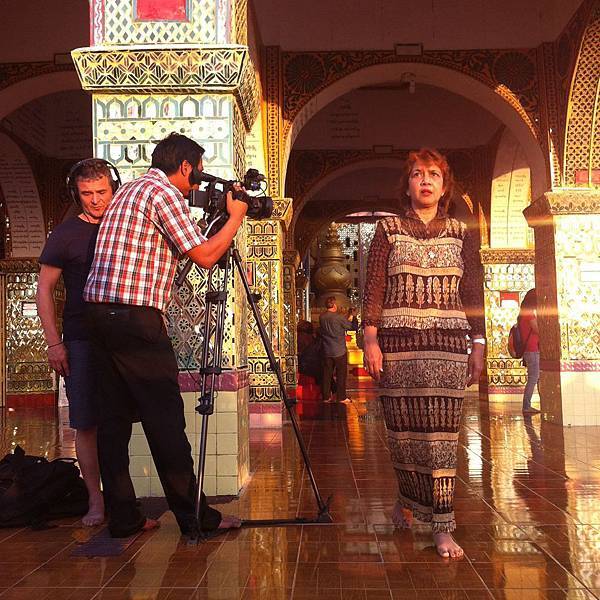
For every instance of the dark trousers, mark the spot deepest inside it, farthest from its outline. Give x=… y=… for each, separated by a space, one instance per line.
x=138 y=380
x=339 y=364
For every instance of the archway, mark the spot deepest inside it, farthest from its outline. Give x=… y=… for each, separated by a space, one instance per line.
x=500 y=102
x=339 y=173
x=22 y=92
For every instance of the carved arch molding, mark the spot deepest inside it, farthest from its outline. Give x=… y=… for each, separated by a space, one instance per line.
x=512 y=73
x=533 y=81
x=582 y=140
x=294 y=78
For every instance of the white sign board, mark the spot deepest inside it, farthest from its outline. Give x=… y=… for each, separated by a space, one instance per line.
x=510 y=195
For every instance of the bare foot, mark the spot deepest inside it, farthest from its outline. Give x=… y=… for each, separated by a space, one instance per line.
x=95 y=513
x=446 y=546
x=230 y=522
x=402 y=517
x=150 y=524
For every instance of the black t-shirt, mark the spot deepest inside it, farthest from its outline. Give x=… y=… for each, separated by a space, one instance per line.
x=70 y=247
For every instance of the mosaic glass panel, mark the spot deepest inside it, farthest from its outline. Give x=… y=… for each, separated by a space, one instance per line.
x=578 y=254
x=356 y=240
x=186 y=318
x=265 y=265
x=349 y=237
x=27 y=369
x=504 y=371
x=127 y=127
x=289 y=317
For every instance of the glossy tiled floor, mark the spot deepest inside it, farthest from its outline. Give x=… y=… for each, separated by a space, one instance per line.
x=528 y=507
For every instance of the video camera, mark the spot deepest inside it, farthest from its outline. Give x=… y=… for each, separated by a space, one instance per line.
x=213 y=198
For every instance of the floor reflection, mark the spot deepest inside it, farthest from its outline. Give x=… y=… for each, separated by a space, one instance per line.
x=527 y=504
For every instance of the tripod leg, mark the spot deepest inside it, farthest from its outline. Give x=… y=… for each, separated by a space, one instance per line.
x=210 y=368
x=324 y=516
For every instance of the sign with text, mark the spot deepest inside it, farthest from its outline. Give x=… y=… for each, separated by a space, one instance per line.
x=26 y=222
x=510 y=196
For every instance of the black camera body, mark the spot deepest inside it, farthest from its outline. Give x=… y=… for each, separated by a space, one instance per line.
x=213 y=198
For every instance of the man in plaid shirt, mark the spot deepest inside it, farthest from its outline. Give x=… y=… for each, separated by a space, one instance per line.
x=146 y=229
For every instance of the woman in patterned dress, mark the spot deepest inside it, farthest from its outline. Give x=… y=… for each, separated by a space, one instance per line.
x=425 y=295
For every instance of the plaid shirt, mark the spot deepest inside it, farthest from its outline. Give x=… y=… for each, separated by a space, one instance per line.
x=145 y=230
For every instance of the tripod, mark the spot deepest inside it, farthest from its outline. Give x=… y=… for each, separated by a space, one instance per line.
x=210 y=369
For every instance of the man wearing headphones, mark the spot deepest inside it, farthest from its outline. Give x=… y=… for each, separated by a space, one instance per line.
x=69 y=252
x=144 y=233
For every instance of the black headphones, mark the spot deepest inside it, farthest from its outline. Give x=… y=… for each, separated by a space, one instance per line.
x=114 y=179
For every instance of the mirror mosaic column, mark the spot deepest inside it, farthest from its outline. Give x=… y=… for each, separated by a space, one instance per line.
x=184 y=66
x=266 y=240
x=291 y=262
x=567 y=264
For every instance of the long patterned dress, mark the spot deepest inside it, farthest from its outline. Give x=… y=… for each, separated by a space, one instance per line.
x=425 y=293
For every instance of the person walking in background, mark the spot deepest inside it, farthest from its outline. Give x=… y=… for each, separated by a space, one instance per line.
x=333 y=327
x=425 y=293
x=528 y=328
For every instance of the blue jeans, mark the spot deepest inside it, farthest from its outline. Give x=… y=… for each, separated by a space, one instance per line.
x=532 y=362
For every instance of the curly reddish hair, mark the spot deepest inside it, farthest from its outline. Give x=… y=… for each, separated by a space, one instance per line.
x=427 y=156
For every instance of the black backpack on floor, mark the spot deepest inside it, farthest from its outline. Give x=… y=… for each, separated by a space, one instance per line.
x=34 y=490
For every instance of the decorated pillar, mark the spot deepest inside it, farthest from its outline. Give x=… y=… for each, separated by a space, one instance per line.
x=508 y=275
x=567 y=276
x=181 y=66
x=291 y=262
x=265 y=276
x=26 y=379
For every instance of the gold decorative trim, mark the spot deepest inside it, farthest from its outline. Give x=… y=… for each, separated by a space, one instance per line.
x=24 y=265
x=549 y=111
x=240 y=18
x=292 y=258
x=248 y=95
x=11 y=73
x=567 y=202
x=512 y=74
x=283 y=211
x=507 y=256
x=183 y=69
x=273 y=117
x=582 y=143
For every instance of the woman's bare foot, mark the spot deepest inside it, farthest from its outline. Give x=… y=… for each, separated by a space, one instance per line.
x=402 y=517
x=446 y=546
x=230 y=522
x=95 y=513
